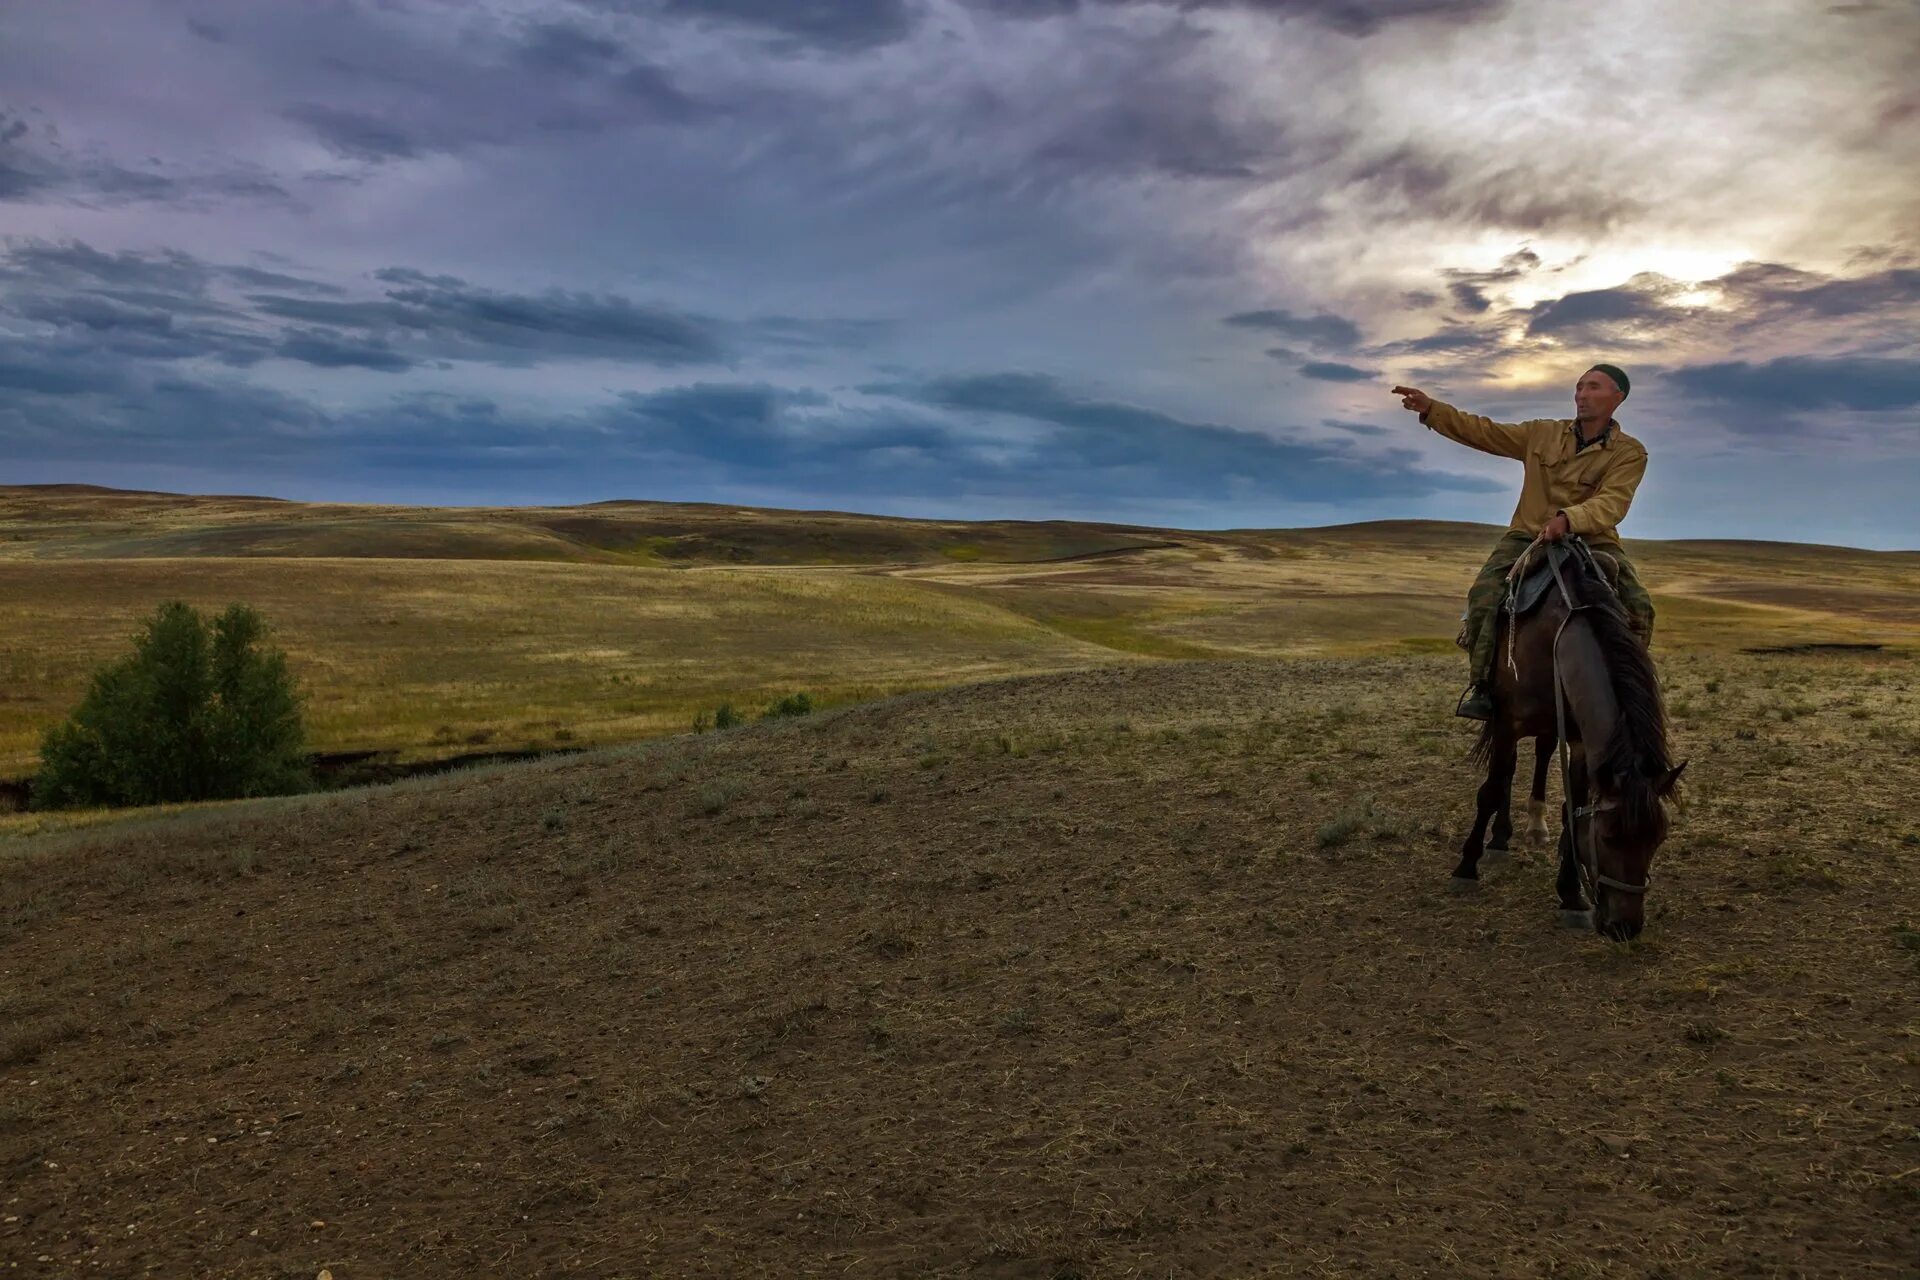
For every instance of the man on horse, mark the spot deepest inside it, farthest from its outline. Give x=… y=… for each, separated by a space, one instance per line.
x=1580 y=478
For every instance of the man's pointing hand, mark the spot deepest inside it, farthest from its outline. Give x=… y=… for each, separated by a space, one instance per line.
x=1413 y=398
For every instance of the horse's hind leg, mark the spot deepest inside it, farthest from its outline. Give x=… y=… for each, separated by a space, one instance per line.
x=1493 y=791
x=1534 y=835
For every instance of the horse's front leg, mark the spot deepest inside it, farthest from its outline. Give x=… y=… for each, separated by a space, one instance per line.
x=1534 y=835
x=1574 y=910
x=1501 y=838
x=1493 y=793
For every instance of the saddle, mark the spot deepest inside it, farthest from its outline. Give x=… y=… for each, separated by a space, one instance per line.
x=1532 y=574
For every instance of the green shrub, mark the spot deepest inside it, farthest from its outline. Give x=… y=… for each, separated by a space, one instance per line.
x=196 y=712
x=794 y=704
x=725 y=717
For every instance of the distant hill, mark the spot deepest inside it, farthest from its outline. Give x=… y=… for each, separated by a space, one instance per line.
x=77 y=521
x=85 y=522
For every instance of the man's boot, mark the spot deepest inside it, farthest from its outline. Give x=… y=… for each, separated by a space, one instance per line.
x=1476 y=703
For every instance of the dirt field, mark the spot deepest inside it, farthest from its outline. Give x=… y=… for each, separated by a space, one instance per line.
x=1140 y=971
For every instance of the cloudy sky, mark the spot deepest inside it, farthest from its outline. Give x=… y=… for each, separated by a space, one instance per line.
x=1153 y=261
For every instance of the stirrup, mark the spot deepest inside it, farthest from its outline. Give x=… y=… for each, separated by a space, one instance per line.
x=1475 y=704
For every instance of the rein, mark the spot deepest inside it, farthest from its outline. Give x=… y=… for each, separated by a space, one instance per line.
x=1589 y=862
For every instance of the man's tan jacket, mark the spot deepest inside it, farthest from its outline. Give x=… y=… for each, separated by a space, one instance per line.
x=1594 y=486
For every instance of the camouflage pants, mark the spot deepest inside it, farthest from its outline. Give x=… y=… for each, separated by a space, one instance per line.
x=1483 y=598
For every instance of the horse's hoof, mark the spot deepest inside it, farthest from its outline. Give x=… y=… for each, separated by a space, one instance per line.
x=1464 y=884
x=1576 y=919
x=1496 y=855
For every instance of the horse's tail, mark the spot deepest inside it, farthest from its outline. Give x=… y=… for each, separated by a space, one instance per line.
x=1481 y=753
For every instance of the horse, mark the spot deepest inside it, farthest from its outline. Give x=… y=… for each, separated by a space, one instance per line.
x=1572 y=668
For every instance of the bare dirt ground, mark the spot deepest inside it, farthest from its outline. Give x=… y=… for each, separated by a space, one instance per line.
x=1145 y=970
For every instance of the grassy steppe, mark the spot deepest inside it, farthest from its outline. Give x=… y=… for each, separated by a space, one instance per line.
x=428 y=632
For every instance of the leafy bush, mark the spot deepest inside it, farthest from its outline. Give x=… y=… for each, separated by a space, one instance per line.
x=725 y=717
x=196 y=712
x=794 y=704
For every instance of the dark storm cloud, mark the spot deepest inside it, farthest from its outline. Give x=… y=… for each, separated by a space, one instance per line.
x=793 y=441
x=168 y=305
x=130 y=306
x=454 y=318
x=73 y=264
x=1603 y=312
x=35 y=167
x=1332 y=371
x=1462 y=346
x=1127 y=449
x=792 y=437
x=1871 y=313
x=1469 y=297
x=1415 y=181
x=1160 y=123
x=1119 y=106
x=64 y=403
x=255 y=278
x=1753 y=297
x=1354 y=428
x=1469 y=288
x=103 y=324
x=1451 y=339
x=1802 y=383
x=559 y=320
x=845 y=26
x=50 y=370
x=1353 y=17
x=1772 y=291
x=797 y=333
x=1325 y=330
x=141 y=338
x=842 y=24
x=378 y=87
x=568 y=48
x=357 y=135
x=567 y=55
x=329 y=352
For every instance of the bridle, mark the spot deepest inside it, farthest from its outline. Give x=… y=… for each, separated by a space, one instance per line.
x=1590 y=869
x=1588 y=861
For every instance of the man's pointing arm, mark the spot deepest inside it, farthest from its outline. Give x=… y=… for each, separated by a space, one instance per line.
x=1503 y=439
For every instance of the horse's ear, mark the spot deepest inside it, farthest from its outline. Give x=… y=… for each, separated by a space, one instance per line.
x=1672 y=779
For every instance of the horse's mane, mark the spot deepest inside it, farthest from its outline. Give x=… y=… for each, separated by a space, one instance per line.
x=1638 y=758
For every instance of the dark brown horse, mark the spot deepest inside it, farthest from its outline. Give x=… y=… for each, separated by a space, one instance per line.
x=1621 y=772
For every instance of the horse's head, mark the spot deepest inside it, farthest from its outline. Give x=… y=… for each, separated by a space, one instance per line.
x=1624 y=827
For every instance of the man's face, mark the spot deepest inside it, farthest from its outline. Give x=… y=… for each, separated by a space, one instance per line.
x=1595 y=397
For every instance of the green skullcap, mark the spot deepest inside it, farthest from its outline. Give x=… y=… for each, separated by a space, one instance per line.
x=1618 y=375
